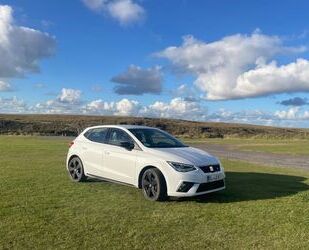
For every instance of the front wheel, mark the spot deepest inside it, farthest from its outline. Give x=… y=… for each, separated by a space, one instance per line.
x=76 y=170
x=154 y=185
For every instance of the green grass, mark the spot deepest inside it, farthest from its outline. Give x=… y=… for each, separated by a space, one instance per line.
x=280 y=146
x=40 y=207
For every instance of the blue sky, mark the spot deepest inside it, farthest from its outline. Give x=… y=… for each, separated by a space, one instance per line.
x=231 y=61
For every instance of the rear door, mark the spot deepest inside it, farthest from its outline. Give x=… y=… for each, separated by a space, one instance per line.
x=93 y=151
x=120 y=163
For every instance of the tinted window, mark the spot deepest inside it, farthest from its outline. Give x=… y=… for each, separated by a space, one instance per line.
x=154 y=138
x=117 y=136
x=97 y=134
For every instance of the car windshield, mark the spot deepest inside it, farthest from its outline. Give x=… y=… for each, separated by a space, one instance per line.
x=155 y=138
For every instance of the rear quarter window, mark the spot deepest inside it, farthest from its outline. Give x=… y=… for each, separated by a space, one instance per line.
x=97 y=135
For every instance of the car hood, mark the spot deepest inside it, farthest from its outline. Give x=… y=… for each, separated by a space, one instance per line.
x=188 y=155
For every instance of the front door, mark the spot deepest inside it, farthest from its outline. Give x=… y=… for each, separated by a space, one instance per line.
x=120 y=163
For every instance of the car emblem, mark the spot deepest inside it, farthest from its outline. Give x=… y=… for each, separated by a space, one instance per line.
x=211 y=168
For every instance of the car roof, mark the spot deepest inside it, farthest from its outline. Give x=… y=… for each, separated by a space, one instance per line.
x=125 y=126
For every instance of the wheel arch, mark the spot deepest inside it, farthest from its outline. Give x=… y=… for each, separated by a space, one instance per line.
x=139 y=183
x=71 y=157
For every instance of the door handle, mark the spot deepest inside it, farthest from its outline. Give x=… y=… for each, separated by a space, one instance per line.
x=107 y=152
x=84 y=148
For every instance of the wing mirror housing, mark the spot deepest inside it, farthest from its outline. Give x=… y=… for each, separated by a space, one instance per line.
x=127 y=145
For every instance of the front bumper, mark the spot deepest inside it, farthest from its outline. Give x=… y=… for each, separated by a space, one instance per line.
x=198 y=183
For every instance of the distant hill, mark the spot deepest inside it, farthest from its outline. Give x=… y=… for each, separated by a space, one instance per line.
x=72 y=125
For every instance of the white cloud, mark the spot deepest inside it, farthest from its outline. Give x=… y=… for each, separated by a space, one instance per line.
x=12 y=105
x=188 y=93
x=95 y=5
x=21 y=48
x=293 y=113
x=270 y=78
x=5 y=86
x=287 y=114
x=180 y=108
x=55 y=107
x=127 y=107
x=176 y=108
x=138 y=81
x=124 y=11
x=243 y=116
x=293 y=117
x=239 y=66
x=68 y=101
x=99 y=107
x=305 y=115
x=69 y=96
x=123 y=107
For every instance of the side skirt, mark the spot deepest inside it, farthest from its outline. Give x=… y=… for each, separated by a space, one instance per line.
x=110 y=180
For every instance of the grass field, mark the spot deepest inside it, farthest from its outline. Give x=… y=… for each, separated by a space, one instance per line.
x=279 y=146
x=40 y=207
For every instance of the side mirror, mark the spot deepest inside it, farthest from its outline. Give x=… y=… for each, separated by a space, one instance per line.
x=127 y=145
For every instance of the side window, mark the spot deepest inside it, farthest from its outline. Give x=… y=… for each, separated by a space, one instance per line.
x=117 y=136
x=96 y=135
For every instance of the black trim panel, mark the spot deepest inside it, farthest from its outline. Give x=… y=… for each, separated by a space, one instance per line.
x=109 y=180
x=210 y=168
x=208 y=186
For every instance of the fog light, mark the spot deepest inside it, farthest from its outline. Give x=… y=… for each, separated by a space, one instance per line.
x=185 y=186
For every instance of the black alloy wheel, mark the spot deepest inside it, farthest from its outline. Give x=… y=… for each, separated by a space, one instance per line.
x=154 y=185
x=76 y=170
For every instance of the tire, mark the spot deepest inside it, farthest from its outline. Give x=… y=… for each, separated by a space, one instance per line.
x=76 y=170
x=154 y=185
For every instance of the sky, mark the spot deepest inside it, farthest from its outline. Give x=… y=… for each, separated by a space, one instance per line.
x=222 y=61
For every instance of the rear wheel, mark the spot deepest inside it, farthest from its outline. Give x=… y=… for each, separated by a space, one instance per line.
x=76 y=170
x=154 y=185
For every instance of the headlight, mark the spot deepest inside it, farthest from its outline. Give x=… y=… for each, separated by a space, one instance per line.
x=221 y=166
x=181 y=167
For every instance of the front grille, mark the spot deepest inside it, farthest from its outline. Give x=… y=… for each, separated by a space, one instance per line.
x=210 y=168
x=210 y=186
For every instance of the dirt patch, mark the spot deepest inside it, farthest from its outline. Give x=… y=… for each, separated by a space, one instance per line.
x=282 y=160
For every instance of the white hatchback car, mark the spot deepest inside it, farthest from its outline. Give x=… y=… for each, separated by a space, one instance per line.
x=144 y=157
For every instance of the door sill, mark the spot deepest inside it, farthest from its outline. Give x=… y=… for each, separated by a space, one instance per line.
x=110 y=180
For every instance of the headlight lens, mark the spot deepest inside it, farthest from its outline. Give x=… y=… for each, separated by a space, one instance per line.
x=221 y=167
x=181 y=167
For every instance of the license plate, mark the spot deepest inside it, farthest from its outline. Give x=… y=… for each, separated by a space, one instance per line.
x=213 y=177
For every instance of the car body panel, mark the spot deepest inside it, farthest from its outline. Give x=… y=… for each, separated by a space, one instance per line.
x=120 y=164
x=92 y=156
